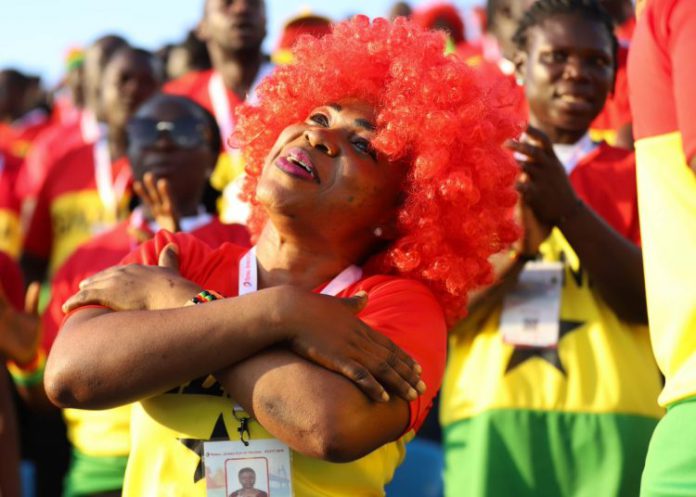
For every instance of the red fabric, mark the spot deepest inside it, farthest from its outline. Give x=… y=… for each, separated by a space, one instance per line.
x=46 y=154
x=606 y=181
x=194 y=85
x=19 y=136
x=9 y=200
x=662 y=69
x=107 y=250
x=617 y=109
x=74 y=173
x=11 y=282
x=625 y=32
x=401 y=309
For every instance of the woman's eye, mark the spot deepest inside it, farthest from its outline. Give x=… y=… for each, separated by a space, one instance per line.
x=320 y=119
x=365 y=147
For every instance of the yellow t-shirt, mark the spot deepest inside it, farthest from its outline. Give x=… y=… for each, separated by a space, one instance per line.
x=601 y=365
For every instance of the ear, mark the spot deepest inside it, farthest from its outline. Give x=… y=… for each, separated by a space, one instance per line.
x=520 y=61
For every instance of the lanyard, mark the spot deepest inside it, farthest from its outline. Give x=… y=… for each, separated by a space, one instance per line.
x=110 y=190
x=90 y=128
x=221 y=103
x=248 y=276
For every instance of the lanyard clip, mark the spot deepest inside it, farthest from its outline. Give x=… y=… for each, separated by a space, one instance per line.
x=243 y=430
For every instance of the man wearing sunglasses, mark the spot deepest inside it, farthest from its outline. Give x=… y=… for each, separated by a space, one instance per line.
x=172 y=147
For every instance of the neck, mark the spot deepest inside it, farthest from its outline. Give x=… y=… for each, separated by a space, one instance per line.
x=557 y=135
x=237 y=68
x=290 y=260
x=118 y=143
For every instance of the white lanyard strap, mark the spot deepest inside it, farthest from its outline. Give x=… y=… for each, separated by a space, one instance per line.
x=248 y=276
x=110 y=191
x=221 y=103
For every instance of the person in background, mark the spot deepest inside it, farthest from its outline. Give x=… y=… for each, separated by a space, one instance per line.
x=233 y=31
x=303 y=24
x=21 y=121
x=400 y=9
x=69 y=98
x=10 y=205
x=188 y=56
x=50 y=148
x=565 y=407
x=444 y=17
x=341 y=176
x=173 y=145
x=661 y=67
x=72 y=208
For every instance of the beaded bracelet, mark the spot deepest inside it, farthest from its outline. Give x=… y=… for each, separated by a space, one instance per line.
x=206 y=296
x=30 y=374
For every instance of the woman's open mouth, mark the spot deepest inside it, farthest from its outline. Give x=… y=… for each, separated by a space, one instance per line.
x=296 y=162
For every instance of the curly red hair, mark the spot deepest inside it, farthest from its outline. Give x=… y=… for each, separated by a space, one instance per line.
x=435 y=115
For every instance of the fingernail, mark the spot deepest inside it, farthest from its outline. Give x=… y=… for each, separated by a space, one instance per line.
x=421 y=387
x=417 y=368
x=523 y=136
x=519 y=156
x=412 y=394
x=385 y=397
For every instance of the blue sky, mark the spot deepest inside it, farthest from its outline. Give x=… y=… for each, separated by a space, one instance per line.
x=35 y=34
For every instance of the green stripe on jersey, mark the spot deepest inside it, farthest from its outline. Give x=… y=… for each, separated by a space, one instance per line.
x=526 y=453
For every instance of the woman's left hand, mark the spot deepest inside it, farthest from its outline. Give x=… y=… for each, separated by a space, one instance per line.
x=544 y=184
x=137 y=287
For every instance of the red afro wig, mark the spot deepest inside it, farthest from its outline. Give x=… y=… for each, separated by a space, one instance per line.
x=430 y=16
x=435 y=116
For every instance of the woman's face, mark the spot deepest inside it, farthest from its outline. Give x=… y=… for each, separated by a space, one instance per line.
x=325 y=174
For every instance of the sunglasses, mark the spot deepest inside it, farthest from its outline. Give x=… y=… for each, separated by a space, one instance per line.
x=185 y=132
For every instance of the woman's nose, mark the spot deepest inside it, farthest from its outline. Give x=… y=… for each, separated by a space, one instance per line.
x=323 y=140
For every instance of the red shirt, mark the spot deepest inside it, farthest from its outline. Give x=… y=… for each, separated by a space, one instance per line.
x=11 y=282
x=18 y=136
x=662 y=69
x=10 y=205
x=46 y=153
x=194 y=85
x=606 y=181
x=69 y=210
x=401 y=309
x=107 y=250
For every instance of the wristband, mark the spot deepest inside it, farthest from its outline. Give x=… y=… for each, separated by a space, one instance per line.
x=206 y=296
x=30 y=374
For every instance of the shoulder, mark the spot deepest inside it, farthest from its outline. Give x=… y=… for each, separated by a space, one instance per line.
x=216 y=233
x=188 y=83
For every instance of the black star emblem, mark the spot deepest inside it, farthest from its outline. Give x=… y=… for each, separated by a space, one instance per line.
x=195 y=445
x=549 y=354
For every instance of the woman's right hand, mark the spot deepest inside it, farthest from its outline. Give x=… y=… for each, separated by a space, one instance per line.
x=327 y=331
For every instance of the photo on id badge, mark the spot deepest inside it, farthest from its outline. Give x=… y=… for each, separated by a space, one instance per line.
x=235 y=470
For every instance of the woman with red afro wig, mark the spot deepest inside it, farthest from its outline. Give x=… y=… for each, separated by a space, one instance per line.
x=376 y=178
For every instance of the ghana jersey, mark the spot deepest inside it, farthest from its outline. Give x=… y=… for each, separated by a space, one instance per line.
x=10 y=205
x=11 y=281
x=568 y=421
x=49 y=149
x=661 y=72
x=19 y=136
x=105 y=434
x=206 y=88
x=70 y=209
x=167 y=429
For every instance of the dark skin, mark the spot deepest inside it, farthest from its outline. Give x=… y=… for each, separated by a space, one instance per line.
x=567 y=69
x=186 y=170
x=234 y=30
x=13 y=88
x=318 y=380
x=96 y=58
x=128 y=80
x=9 y=445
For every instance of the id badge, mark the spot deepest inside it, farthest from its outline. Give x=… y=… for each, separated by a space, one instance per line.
x=260 y=469
x=531 y=311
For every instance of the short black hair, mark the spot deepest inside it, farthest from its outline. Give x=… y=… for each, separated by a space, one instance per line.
x=543 y=9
